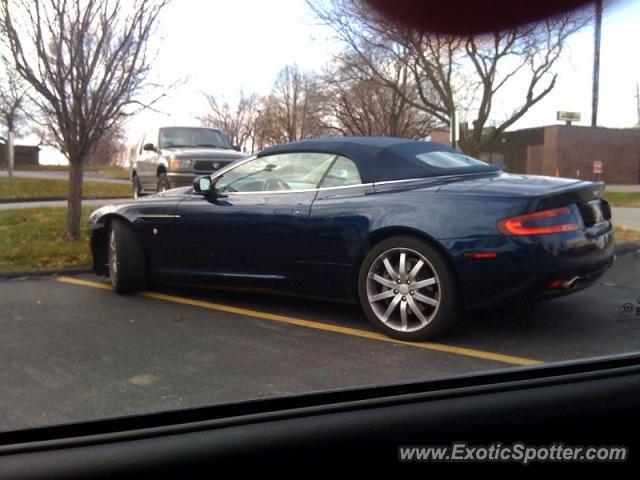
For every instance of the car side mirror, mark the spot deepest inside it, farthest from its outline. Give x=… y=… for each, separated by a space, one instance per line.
x=149 y=147
x=202 y=185
x=236 y=148
x=205 y=186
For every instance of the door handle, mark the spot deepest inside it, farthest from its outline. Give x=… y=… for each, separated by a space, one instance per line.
x=286 y=211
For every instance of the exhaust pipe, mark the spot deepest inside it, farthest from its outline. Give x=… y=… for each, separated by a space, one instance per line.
x=569 y=284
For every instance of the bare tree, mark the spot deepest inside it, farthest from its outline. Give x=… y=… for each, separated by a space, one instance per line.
x=267 y=129
x=110 y=146
x=455 y=74
x=13 y=99
x=238 y=124
x=88 y=64
x=355 y=104
x=292 y=111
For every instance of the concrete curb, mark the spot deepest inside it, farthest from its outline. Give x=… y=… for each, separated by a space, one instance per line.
x=627 y=247
x=54 y=199
x=43 y=273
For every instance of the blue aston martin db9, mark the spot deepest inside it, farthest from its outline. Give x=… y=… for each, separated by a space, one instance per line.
x=414 y=231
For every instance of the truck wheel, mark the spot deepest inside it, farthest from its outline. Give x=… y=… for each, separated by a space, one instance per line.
x=163 y=182
x=136 y=187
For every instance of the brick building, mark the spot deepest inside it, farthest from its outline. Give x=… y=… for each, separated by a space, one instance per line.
x=568 y=150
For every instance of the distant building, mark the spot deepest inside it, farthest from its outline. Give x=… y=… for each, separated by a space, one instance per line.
x=22 y=155
x=440 y=135
x=609 y=154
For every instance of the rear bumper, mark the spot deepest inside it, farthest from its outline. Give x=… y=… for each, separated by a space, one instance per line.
x=526 y=268
x=580 y=281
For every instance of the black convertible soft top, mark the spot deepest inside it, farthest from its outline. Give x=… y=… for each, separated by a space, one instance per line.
x=382 y=158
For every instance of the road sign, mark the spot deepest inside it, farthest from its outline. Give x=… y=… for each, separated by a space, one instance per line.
x=597 y=167
x=568 y=116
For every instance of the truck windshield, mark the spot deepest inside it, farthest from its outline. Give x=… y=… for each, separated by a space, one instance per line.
x=192 y=137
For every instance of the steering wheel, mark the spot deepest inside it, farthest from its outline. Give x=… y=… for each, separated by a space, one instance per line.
x=275 y=184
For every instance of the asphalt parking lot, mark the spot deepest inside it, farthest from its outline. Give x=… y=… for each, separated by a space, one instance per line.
x=73 y=350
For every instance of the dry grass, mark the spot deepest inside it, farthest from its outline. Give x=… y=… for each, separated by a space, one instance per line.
x=623 y=199
x=627 y=234
x=31 y=239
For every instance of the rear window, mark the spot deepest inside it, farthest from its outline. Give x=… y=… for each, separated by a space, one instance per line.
x=449 y=160
x=418 y=159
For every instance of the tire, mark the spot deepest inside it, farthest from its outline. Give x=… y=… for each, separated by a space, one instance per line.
x=436 y=301
x=126 y=258
x=163 y=182
x=136 y=187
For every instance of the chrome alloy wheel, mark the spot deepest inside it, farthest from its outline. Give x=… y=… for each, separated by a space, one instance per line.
x=403 y=289
x=112 y=256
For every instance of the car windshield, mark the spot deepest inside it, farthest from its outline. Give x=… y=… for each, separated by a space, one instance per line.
x=192 y=137
x=289 y=171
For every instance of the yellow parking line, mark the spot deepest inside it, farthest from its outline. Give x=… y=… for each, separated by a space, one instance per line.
x=440 y=347
x=84 y=283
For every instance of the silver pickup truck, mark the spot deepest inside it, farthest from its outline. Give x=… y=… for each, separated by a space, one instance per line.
x=172 y=157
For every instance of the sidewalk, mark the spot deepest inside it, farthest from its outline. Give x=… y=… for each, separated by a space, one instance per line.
x=62 y=203
x=626 y=216
x=52 y=175
x=622 y=188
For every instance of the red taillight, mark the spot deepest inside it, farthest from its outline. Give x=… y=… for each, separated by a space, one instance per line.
x=540 y=223
x=480 y=255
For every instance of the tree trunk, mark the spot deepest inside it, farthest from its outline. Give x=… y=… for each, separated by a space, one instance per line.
x=74 y=200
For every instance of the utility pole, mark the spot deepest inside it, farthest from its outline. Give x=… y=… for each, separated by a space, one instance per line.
x=596 y=64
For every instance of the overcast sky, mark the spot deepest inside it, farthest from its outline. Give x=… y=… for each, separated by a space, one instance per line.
x=222 y=46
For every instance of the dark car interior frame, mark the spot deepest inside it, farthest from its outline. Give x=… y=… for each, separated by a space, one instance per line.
x=586 y=402
x=575 y=403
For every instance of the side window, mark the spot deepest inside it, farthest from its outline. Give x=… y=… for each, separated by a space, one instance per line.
x=154 y=137
x=344 y=172
x=286 y=171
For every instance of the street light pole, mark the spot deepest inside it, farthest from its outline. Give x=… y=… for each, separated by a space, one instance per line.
x=453 y=129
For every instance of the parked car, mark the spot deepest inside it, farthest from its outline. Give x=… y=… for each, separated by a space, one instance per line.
x=171 y=157
x=414 y=231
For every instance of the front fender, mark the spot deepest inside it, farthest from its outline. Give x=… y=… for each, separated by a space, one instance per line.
x=99 y=218
x=163 y=162
x=143 y=214
x=98 y=224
